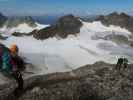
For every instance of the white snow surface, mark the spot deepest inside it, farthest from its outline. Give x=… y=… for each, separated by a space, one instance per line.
x=60 y=55
x=22 y=28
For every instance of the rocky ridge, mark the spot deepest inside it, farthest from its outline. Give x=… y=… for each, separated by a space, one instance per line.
x=15 y=21
x=65 y=26
x=119 y=19
x=2 y=19
x=100 y=81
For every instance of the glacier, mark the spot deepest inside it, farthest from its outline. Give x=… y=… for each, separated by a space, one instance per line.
x=61 y=55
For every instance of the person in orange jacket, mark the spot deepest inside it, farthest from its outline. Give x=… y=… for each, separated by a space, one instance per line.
x=9 y=65
x=17 y=75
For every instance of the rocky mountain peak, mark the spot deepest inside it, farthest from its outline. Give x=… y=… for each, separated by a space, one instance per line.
x=124 y=15
x=66 y=25
x=2 y=19
x=123 y=20
x=15 y=21
x=113 y=14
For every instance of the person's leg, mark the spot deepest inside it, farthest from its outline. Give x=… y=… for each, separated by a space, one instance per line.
x=118 y=66
x=119 y=62
x=20 y=81
x=18 y=77
x=125 y=63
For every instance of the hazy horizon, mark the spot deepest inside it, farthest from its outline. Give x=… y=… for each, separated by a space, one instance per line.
x=62 y=7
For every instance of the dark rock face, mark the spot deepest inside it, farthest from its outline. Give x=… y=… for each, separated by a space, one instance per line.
x=99 y=81
x=112 y=36
x=69 y=25
x=119 y=39
x=17 y=34
x=65 y=26
x=3 y=38
x=2 y=19
x=123 y=20
x=46 y=33
x=15 y=21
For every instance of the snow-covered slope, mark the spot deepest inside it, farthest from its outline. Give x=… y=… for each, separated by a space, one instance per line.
x=21 y=28
x=55 y=55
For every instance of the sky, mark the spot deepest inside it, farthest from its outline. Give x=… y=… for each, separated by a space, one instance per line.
x=55 y=7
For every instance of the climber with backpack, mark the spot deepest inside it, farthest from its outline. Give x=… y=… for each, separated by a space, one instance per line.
x=15 y=56
x=122 y=63
x=9 y=65
x=119 y=63
x=125 y=63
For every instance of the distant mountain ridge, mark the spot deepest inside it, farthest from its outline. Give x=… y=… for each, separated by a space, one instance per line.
x=10 y=22
x=2 y=19
x=15 y=21
x=119 y=19
x=66 y=25
x=69 y=24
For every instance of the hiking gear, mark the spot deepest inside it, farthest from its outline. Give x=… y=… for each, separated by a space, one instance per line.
x=120 y=60
x=6 y=61
x=125 y=60
x=9 y=64
x=119 y=63
x=122 y=63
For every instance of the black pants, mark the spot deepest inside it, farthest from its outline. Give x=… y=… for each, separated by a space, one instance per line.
x=19 y=61
x=119 y=63
x=18 y=77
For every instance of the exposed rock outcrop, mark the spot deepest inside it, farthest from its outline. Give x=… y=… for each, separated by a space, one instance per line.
x=2 y=37
x=99 y=81
x=65 y=26
x=118 y=39
x=123 y=20
x=17 y=34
